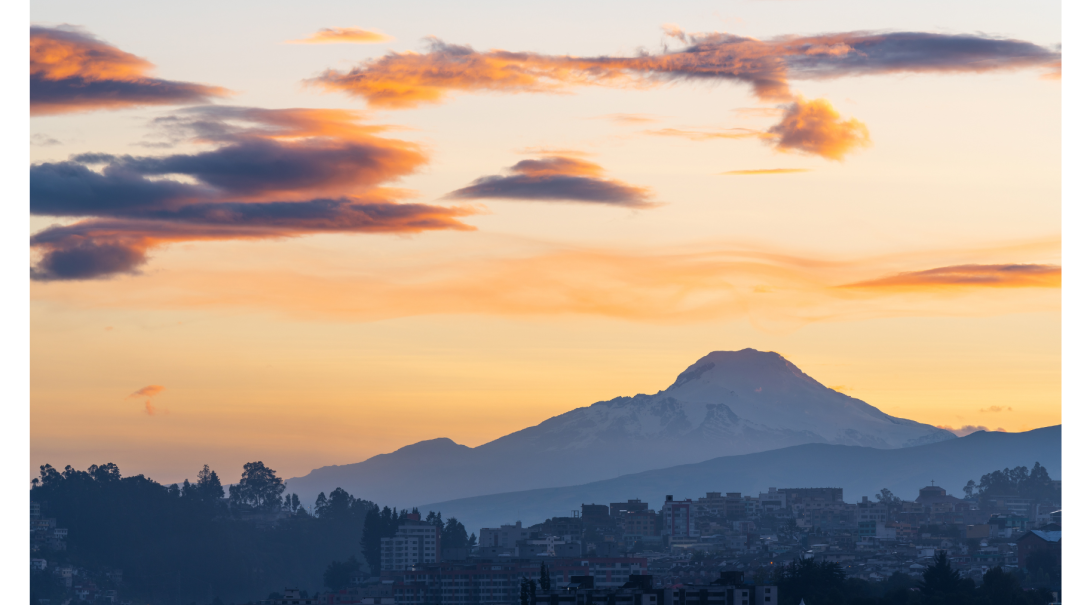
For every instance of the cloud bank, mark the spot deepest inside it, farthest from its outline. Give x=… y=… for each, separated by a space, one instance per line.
x=273 y=173
x=73 y=71
x=557 y=178
x=402 y=80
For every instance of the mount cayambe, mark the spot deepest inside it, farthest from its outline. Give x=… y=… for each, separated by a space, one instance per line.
x=727 y=403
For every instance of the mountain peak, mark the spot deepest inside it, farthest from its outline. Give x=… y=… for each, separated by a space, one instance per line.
x=741 y=367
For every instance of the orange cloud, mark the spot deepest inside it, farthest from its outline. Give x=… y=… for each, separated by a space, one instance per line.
x=766 y=171
x=557 y=178
x=996 y=408
x=630 y=118
x=73 y=71
x=814 y=127
x=775 y=290
x=272 y=174
x=401 y=80
x=969 y=276
x=708 y=135
x=148 y=393
x=343 y=35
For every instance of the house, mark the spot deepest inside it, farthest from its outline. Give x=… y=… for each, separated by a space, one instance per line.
x=503 y=537
x=1035 y=541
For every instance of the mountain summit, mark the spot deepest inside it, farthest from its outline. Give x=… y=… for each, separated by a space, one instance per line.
x=727 y=403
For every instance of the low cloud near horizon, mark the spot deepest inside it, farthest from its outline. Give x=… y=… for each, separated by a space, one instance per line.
x=147 y=394
x=986 y=276
x=969 y=429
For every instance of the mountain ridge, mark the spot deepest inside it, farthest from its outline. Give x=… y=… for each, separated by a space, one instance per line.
x=859 y=470
x=726 y=403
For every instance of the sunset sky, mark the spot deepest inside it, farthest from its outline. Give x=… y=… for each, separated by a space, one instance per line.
x=309 y=234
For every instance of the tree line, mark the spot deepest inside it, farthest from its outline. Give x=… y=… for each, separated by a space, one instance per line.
x=825 y=583
x=197 y=542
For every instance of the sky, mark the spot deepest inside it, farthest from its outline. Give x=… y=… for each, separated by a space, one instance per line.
x=309 y=235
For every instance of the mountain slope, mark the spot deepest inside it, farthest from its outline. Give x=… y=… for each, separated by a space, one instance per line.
x=728 y=402
x=861 y=471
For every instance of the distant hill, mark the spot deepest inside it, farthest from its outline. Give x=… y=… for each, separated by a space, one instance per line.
x=861 y=471
x=727 y=403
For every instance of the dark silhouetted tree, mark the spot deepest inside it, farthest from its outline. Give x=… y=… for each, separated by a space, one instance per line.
x=339 y=574
x=208 y=484
x=545 y=580
x=259 y=487
x=969 y=488
x=818 y=583
x=887 y=497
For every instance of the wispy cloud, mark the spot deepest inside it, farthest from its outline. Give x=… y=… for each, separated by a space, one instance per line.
x=996 y=408
x=71 y=71
x=272 y=174
x=694 y=134
x=557 y=178
x=758 y=171
x=344 y=35
x=401 y=80
x=774 y=289
x=630 y=118
x=969 y=276
x=147 y=394
x=43 y=140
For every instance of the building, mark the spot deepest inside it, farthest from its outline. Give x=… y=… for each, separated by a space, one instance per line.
x=497 y=581
x=416 y=542
x=641 y=526
x=595 y=515
x=617 y=510
x=678 y=518
x=729 y=589
x=813 y=495
x=292 y=596
x=1035 y=541
x=506 y=536
x=772 y=500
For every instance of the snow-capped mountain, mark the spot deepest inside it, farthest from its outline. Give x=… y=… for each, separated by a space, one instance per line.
x=727 y=403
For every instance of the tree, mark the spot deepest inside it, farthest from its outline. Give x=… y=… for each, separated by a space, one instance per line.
x=818 y=583
x=942 y=583
x=887 y=497
x=295 y=502
x=524 y=592
x=320 y=504
x=208 y=484
x=259 y=487
x=339 y=574
x=545 y=580
x=454 y=534
x=376 y=526
x=472 y=540
x=968 y=489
